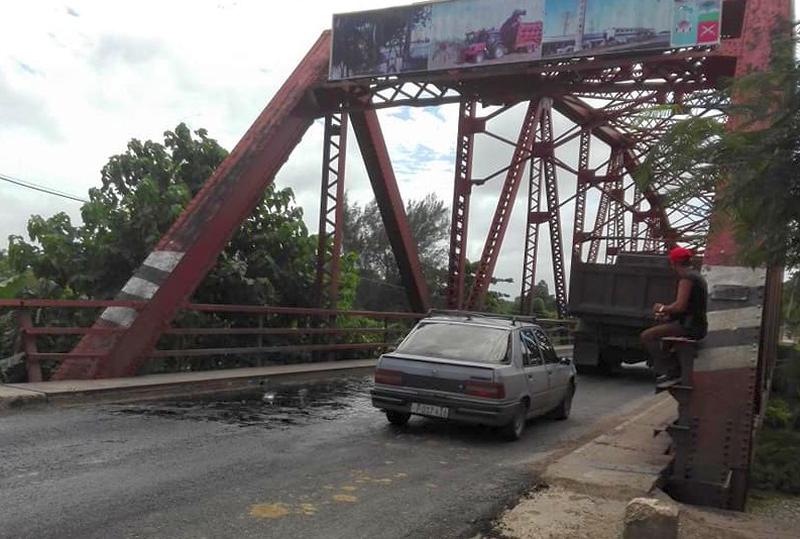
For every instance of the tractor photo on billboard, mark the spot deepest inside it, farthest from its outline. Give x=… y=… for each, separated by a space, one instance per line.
x=514 y=36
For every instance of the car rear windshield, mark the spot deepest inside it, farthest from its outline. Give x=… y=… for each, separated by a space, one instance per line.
x=463 y=342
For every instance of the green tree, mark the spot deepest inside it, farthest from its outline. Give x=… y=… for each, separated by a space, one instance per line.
x=380 y=286
x=758 y=163
x=270 y=258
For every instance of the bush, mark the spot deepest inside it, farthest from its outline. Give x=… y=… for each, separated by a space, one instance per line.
x=778 y=414
x=776 y=465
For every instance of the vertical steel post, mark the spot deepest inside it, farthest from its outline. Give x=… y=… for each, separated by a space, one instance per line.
x=29 y=346
x=462 y=189
x=502 y=215
x=554 y=217
x=580 y=197
x=331 y=210
x=532 y=235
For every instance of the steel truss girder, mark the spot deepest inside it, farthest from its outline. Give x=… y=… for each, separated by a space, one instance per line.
x=331 y=210
x=580 y=195
x=502 y=216
x=684 y=72
x=554 y=221
x=462 y=189
x=543 y=162
x=529 y=264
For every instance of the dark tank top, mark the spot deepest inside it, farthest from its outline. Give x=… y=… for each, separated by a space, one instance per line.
x=694 y=320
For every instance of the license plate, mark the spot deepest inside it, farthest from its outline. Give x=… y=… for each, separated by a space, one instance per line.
x=430 y=410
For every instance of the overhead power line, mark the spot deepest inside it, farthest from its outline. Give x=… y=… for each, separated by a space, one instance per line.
x=40 y=188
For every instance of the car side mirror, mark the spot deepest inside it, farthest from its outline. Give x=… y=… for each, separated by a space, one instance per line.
x=565 y=360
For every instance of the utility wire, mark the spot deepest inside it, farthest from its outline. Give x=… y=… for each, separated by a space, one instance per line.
x=40 y=188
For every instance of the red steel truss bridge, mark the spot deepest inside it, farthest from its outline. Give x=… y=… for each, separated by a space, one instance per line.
x=588 y=124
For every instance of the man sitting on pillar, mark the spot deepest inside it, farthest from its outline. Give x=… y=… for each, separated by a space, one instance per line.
x=685 y=317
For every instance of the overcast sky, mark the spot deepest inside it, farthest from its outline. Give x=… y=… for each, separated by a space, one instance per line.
x=81 y=78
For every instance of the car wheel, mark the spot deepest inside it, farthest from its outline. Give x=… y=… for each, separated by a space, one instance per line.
x=479 y=57
x=514 y=429
x=562 y=412
x=397 y=418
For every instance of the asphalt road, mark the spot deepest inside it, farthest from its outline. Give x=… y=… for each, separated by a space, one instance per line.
x=308 y=462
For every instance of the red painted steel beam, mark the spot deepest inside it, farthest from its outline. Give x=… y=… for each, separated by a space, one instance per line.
x=535 y=218
x=554 y=222
x=331 y=209
x=502 y=215
x=580 y=196
x=462 y=190
x=387 y=194
x=190 y=248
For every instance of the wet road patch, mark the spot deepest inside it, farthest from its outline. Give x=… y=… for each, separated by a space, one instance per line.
x=278 y=407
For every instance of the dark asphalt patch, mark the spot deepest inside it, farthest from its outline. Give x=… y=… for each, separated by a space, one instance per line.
x=279 y=407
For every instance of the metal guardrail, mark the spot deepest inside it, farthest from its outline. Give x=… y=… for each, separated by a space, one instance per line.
x=309 y=332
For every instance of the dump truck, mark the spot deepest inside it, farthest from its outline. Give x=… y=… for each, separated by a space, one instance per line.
x=613 y=305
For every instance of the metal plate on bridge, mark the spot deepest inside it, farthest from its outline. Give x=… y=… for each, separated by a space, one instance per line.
x=730 y=292
x=458 y=34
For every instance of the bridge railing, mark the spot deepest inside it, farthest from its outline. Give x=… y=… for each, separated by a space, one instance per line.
x=209 y=336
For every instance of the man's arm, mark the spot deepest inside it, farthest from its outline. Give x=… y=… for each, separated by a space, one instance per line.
x=681 y=301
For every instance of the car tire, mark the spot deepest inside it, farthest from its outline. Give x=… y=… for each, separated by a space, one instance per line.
x=479 y=58
x=399 y=419
x=565 y=407
x=514 y=429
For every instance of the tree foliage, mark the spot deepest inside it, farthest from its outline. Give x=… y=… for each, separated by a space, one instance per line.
x=757 y=163
x=791 y=306
x=380 y=287
x=270 y=258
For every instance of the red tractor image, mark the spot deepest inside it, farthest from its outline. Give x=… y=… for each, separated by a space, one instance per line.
x=513 y=36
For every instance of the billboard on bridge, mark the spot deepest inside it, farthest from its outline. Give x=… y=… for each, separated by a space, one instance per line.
x=456 y=34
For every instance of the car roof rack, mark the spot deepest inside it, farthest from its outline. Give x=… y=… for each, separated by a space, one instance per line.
x=513 y=318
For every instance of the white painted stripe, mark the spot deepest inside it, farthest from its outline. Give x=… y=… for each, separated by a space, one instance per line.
x=746 y=317
x=164 y=260
x=140 y=288
x=726 y=358
x=121 y=316
x=735 y=276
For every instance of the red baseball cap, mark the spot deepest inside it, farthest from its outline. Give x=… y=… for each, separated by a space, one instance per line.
x=680 y=254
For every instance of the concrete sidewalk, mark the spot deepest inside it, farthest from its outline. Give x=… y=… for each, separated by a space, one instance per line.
x=585 y=492
x=157 y=386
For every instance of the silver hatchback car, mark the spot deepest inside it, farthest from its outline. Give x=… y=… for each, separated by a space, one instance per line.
x=477 y=369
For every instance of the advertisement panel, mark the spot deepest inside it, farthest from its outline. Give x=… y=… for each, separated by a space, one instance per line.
x=457 y=34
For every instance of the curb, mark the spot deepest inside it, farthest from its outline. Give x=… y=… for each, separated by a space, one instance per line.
x=172 y=386
x=13 y=398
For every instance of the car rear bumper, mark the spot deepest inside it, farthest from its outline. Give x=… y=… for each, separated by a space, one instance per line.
x=464 y=410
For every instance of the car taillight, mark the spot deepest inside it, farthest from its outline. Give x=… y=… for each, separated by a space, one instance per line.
x=487 y=390
x=388 y=377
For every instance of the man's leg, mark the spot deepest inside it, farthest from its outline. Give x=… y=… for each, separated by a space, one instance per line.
x=651 y=339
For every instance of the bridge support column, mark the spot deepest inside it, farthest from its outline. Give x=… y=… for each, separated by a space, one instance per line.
x=730 y=378
x=462 y=191
x=331 y=210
